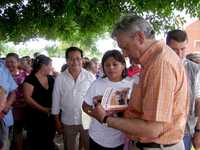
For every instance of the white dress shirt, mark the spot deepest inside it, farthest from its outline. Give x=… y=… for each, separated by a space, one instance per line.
x=68 y=95
x=197 y=86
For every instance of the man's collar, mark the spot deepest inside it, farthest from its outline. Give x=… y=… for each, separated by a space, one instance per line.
x=151 y=52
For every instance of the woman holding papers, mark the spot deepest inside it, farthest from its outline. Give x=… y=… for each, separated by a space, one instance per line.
x=114 y=68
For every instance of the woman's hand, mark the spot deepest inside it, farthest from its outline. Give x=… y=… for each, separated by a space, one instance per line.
x=2 y=115
x=47 y=111
x=59 y=126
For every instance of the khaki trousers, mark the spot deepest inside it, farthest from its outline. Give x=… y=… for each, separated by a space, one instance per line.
x=74 y=136
x=178 y=146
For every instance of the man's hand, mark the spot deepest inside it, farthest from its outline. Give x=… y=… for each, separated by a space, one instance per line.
x=97 y=100
x=196 y=140
x=99 y=113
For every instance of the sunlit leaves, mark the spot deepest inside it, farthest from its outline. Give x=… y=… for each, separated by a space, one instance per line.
x=81 y=21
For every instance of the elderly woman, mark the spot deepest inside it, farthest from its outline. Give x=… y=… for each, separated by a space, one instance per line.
x=38 y=87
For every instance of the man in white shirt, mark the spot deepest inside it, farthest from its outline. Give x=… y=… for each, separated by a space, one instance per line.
x=178 y=40
x=68 y=94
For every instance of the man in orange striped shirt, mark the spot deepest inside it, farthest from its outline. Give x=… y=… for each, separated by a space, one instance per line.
x=158 y=108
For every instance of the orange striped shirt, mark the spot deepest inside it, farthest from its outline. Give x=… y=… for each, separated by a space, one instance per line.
x=161 y=95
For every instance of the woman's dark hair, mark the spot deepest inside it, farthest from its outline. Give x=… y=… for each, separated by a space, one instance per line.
x=73 y=49
x=88 y=65
x=39 y=61
x=118 y=57
x=13 y=55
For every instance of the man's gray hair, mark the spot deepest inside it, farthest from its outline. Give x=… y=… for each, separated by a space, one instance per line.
x=131 y=24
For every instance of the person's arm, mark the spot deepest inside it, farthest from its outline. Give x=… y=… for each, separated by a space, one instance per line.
x=12 y=86
x=55 y=109
x=197 y=112
x=58 y=123
x=1 y=115
x=10 y=100
x=8 y=103
x=133 y=126
x=28 y=90
x=196 y=136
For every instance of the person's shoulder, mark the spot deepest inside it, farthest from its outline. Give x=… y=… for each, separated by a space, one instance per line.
x=85 y=71
x=167 y=54
x=50 y=77
x=191 y=65
x=31 y=78
x=88 y=74
x=134 y=79
x=61 y=75
x=1 y=64
x=98 y=82
x=169 y=58
x=4 y=68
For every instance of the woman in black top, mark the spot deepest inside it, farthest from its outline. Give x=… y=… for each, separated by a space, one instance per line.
x=38 y=88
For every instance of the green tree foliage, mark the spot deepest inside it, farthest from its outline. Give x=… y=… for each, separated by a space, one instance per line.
x=55 y=51
x=5 y=49
x=82 y=21
x=58 y=51
x=9 y=47
x=25 y=52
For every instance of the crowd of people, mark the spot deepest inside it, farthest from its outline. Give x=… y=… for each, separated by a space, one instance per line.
x=163 y=101
x=29 y=85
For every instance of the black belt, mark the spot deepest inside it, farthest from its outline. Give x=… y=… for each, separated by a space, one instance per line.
x=152 y=145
